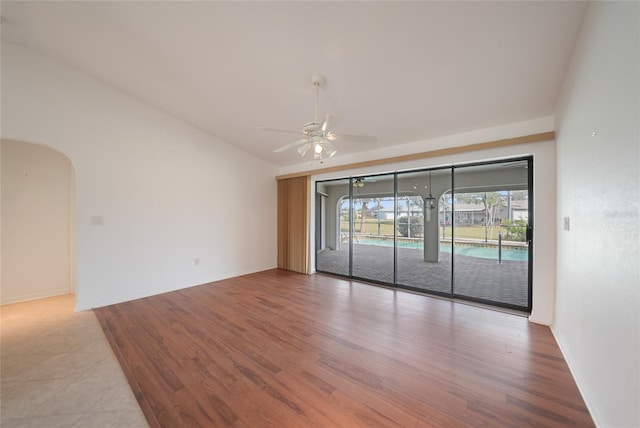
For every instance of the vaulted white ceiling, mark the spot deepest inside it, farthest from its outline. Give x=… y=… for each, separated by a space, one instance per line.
x=402 y=71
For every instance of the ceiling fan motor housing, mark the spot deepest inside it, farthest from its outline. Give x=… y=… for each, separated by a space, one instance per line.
x=317 y=79
x=311 y=128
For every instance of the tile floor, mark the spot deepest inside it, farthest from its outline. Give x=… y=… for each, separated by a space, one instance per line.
x=58 y=370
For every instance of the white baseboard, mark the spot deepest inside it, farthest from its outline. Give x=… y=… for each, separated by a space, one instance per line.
x=579 y=380
x=537 y=320
x=34 y=296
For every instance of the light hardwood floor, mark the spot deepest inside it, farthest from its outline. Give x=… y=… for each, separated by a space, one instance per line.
x=58 y=370
x=281 y=349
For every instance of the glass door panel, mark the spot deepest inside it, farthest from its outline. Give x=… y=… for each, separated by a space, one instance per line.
x=372 y=214
x=459 y=231
x=490 y=218
x=332 y=226
x=424 y=254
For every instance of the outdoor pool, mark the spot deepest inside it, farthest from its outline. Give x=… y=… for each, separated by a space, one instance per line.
x=481 y=252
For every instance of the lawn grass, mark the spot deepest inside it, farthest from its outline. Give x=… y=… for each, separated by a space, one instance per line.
x=462 y=232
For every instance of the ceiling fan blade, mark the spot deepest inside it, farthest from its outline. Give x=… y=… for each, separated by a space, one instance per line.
x=329 y=121
x=354 y=138
x=290 y=146
x=303 y=149
x=264 y=128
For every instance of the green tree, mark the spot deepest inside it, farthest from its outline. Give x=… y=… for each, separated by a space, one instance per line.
x=416 y=224
x=492 y=202
x=469 y=198
x=516 y=230
x=519 y=195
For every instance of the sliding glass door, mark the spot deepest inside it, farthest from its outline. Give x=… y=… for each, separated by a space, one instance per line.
x=372 y=214
x=423 y=261
x=491 y=225
x=461 y=231
x=333 y=207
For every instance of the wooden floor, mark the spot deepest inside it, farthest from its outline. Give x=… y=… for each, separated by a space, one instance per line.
x=282 y=349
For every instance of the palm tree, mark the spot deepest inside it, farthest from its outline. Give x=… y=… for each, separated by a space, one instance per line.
x=492 y=202
x=377 y=201
x=363 y=216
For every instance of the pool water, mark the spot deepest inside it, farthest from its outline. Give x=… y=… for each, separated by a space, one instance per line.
x=488 y=252
x=469 y=251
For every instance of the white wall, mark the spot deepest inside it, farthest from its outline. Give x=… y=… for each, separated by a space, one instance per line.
x=168 y=193
x=36 y=222
x=597 y=318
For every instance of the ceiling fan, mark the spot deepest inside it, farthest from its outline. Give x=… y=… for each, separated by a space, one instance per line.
x=318 y=135
x=360 y=181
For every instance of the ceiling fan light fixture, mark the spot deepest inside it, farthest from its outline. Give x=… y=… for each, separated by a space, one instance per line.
x=317 y=134
x=430 y=202
x=302 y=150
x=328 y=148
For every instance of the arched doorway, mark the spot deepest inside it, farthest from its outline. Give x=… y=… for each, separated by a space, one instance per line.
x=37 y=229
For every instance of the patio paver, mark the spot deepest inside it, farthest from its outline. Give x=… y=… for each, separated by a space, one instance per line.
x=475 y=277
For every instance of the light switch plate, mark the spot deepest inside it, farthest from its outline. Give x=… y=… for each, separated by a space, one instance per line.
x=97 y=220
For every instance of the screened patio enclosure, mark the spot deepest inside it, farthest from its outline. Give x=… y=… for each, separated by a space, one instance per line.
x=461 y=231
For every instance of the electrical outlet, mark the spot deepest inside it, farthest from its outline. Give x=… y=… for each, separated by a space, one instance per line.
x=196 y=261
x=567 y=224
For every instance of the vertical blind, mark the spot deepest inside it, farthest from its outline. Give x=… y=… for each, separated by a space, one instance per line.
x=293 y=224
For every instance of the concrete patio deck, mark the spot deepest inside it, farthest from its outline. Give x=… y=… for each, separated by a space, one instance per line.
x=479 y=278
